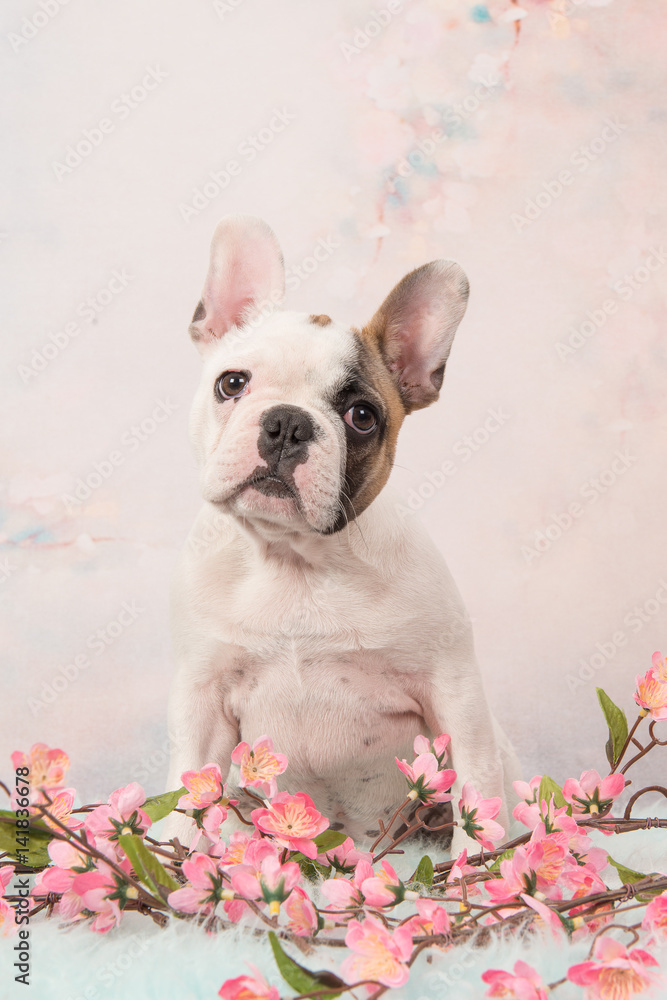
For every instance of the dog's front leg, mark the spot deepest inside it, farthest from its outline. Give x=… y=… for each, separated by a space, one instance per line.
x=200 y=733
x=457 y=706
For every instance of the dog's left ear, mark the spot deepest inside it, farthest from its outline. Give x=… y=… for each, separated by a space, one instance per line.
x=246 y=275
x=415 y=326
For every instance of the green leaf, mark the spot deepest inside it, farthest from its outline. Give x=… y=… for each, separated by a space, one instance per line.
x=628 y=875
x=147 y=867
x=329 y=839
x=311 y=870
x=549 y=788
x=505 y=856
x=424 y=872
x=159 y=806
x=38 y=835
x=618 y=726
x=301 y=979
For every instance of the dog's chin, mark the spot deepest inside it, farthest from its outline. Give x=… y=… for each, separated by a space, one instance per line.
x=271 y=500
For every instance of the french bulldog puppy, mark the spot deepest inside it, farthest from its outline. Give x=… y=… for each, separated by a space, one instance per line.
x=305 y=606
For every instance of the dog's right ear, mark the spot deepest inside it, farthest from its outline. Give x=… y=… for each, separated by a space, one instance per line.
x=246 y=275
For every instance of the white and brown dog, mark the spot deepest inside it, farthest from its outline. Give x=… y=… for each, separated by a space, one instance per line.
x=312 y=611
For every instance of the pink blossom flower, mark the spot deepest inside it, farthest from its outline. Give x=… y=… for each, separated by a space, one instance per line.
x=344 y=893
x=8 y=923
x=259 y=765
x=48 y=766
x=477 y=816
x=459 y=870
x=523 y=984
x=122 y=814
x=205 y=888
x=592 y=794
x=253 y=987
x=65 y=858
x=547 y=856
x=614 y=972
x=651 y=695
x=61 y=806
x=516 y=877
x=292 y=821
x=210 y=820
x=528 y=814
x=425 y=779
x=582 y=881
x=580 y=844
x=655 y=917
x=344 y=858
x=234 y=853
x=47 y=769
x=6 y=875
x=380 y=954
x=385 y=889
x=547 y=916
x=439 y=748
x=528 y=790
x=302 y=915
x=660 y=667
x=7 y=913
x=272 y=883
x=100 y=891
x=430 y=919
x=528 y=811
x=204 y=787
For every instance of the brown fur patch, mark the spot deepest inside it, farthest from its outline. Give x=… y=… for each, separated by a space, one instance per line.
x=369 y=459
x=321 y=320
x=376 y=370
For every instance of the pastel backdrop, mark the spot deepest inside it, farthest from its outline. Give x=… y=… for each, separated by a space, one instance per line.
x=526 y=142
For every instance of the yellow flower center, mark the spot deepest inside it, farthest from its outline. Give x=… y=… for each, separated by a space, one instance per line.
x=619 y=984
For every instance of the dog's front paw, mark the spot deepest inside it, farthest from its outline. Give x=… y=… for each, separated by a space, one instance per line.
x=182 y=827
x=462 y=842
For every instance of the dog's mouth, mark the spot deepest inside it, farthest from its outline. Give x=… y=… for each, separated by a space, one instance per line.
x=269 y=484
x=272 y=486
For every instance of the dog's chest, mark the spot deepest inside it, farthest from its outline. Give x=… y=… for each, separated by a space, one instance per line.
x=340 y=718
x=326 y=662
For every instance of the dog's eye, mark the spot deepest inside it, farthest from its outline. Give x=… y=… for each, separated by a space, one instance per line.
x=231 y=384
x=361 y=418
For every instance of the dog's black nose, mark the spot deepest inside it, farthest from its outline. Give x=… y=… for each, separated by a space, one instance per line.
x=284 y=435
